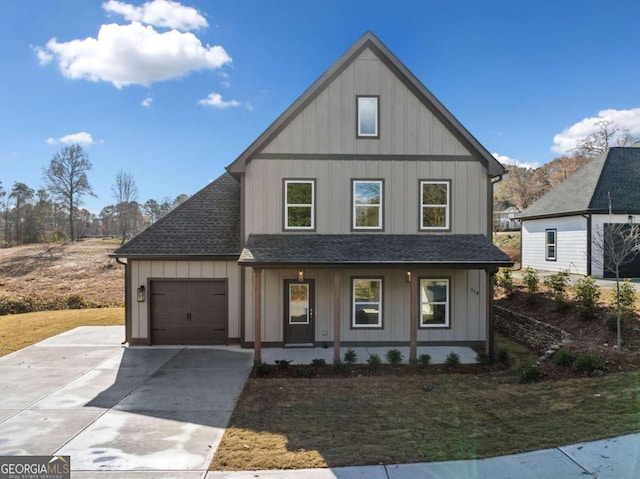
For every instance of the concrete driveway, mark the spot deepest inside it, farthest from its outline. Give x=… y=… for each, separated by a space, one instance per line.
x=113 y=408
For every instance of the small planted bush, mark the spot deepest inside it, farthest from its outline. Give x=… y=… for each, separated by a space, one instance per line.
x=318 y=363
x=304 y=371
x=531 y=282
x=564 y=357
x=350 y=356
x=504 y=356
x=483 y=358
x=340 y=368
x=263 y=370
x=504 y=281
x=374 y=361
x=588 y=362
x=394 y=357
x=283 y=363
x=557 y=283
x=627 y=296
x=587 y=294
x=453 y=360
x=530 y=374
x=424 y=359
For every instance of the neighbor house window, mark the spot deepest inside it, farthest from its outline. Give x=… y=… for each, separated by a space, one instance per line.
x=434 y=303
x=550 y=238
x=367 y=204
x=299 y=204
x=368 y=116
x=366 y=311
x=435 y=205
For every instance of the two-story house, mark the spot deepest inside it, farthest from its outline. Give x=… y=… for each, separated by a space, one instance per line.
x=361 y=216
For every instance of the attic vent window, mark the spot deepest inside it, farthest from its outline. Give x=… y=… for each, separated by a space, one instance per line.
x=368 y=115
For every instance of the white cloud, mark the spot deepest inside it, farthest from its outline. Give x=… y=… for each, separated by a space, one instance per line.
x=215 y=100
x=147 y=102
x=624 y=119
x=160 y=13
x=82 y=137
x=224 y=79
x=133 y=54
x=505 y=160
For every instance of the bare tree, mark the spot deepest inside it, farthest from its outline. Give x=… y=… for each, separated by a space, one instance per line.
x=125 y=192
x=67 y=180
x=608 y=134
x=21 y=193
x=616 y=244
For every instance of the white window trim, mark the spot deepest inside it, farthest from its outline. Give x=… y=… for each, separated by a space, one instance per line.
x=288 y=205
x=447 y=303
x=377 y=119
x=426 y=205
x=354 y=325
x=353 y=206
x=547 y=256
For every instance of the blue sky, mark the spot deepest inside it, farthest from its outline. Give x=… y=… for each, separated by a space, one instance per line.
x=194 y=83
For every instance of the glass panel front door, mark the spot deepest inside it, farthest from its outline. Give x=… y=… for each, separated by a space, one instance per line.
x=299 y=312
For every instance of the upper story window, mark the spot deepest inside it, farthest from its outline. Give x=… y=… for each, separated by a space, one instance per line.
x=367 y=204
x=550 y=245
x=368 y=117
x=299 y=208
x=435 y=205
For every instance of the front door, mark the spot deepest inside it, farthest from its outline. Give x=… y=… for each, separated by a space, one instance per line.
x=299 y=312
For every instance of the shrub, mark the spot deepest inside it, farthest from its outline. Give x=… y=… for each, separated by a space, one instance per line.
x=263 y=369
x=340 y=368
x=453 y=360
x=424 y=359
x=283 y=363
x=504 y=281
x=530 y=374
x=374 y=361
x=504 y=356
x=304 y=371
x=483 y=358
x=564 y=357
x=318 y=363
x=394 y=357
x=587 y=294
x=531 y=282
x=557 y=283
x=627 y=296
x=350 y=356
x=588 y=362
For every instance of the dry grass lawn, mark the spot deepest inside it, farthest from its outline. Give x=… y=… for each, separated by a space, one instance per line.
x=18 y=331
x=300 y=423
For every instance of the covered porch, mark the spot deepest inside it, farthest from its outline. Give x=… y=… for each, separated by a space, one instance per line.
x=465 y=263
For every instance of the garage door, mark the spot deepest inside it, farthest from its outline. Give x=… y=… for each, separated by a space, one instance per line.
x=628 y=270
x=188 y=311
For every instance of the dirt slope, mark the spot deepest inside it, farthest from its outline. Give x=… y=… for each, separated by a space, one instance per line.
x=61 y=269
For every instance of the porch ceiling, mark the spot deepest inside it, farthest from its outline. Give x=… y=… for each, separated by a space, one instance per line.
x=442 y=250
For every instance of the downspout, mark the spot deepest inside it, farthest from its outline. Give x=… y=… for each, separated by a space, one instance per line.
x=589 y=233
x=489 y=274
x=494 y=181
x=127 y=302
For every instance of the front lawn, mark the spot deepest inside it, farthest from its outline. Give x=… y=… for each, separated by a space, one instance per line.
x=282 y=423
x=18 y=331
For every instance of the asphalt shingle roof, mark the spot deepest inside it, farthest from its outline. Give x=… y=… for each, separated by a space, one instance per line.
x=207 y=224
x=616 y=172
x=377 y=249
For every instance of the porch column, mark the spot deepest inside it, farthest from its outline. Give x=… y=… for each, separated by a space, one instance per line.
x=490 y=343
x=257 y=315
x=413 y=320
x=337 y=278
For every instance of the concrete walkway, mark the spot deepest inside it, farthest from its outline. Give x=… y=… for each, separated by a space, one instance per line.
x=113 y=408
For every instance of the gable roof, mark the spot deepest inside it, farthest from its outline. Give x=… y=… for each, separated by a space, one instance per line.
x=616 y=172
x=369 y=40
x=451 y=250
x=207 y=224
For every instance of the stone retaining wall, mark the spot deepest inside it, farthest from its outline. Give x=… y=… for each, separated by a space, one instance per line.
x=523 y=329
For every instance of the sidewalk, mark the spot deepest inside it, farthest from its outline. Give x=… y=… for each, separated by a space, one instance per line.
x=616 y=458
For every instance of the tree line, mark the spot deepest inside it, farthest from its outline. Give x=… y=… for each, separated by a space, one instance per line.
x=54 y=211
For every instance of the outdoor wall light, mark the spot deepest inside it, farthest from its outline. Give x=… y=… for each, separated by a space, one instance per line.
x=300 y=275
x=408 y=276
x=141 y=293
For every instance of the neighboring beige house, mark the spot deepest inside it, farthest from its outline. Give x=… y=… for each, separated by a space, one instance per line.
x=361 y=216
x=563 y=230
x=505 y=220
